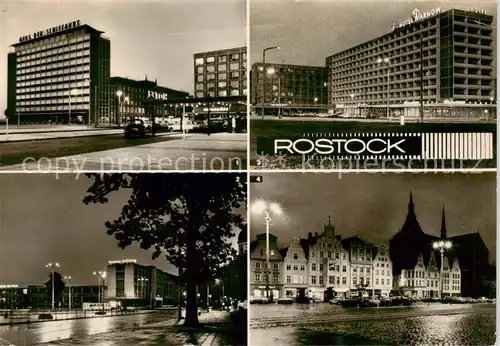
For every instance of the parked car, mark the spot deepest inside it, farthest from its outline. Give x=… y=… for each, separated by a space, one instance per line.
x=175 y=125
x=285 y=300
x=137 y=128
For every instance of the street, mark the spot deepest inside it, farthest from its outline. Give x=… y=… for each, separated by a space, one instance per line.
x=324 y=324
x=160 y=328
x=219 y=151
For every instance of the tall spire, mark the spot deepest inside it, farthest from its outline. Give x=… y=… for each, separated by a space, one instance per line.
x=443 y=224
x=411 y=207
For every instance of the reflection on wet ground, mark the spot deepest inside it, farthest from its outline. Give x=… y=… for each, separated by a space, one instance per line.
x=325 y=324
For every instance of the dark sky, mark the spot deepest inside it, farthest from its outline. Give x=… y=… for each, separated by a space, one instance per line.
x=309 y=31
x=376 y=205
x=153 y=38
x=43 y=219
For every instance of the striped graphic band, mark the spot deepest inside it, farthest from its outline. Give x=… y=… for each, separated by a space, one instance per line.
x=457 y=146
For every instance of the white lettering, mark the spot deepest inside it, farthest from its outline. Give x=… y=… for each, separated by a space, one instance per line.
x=368 y=146
x=279 y=146
x=416 y=16
x=355 y=140
x=396 y=145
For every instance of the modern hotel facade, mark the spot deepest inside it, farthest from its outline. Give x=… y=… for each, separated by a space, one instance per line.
x=60 y=75
x=289 y=89
x=128 y=99
x=443 y=60
x=133 y=284
x=220 y=73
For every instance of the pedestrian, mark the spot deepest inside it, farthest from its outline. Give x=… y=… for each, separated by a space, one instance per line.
x=233 y=124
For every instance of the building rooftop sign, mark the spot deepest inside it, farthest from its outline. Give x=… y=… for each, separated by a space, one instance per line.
x=123 y=261
x=416 y=16
x=157 y=95
x=49 y=31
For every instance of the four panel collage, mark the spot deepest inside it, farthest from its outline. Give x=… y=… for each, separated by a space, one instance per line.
x=248 y=172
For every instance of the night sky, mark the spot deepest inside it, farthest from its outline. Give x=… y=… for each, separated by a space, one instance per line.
x=43 y=219
x=153 y=38
x=309 y=31
x=374 y=206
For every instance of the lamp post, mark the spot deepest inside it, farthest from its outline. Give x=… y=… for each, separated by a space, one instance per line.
x=387 y=62
x=126 y=100
x=52 y=266
x=119 y=93
x=491 y=107
x=266 y=208
x=441 y=245
x=316 y=104
x=272 y=71
x=99 y=274
x=264 y=77
x=68 y=278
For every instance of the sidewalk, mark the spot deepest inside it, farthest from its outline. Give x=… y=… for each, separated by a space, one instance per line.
x=217 y=330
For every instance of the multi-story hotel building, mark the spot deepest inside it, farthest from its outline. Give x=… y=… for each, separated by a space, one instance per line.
x=132 y=284
x=59 y=75
x=289 y=89
x=443 y=60
x=266 y=282
x=220 y=73
x=128 y=99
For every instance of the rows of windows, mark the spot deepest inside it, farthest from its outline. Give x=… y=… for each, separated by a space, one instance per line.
x=258 y=265
x=220 y=85
x=61 y=54
x=221 y=93
x=235 y=66
x=296 y=267
x=75 y=64
x=53 y=101
x=52 y=42
x=295 y=279
x=383 y=281
x=220 y=58
x=263 y=278
x=361 y=270
x=363 y=281
x=336 y=268
x=332 y=280
x=83 y=106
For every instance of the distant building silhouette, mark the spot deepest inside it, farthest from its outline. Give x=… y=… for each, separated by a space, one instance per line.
x=468 y=252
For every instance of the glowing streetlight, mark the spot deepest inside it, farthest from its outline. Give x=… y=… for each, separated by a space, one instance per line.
x=442 y=245
x=264 y=76
x=387 y=62
x=267 y=208
x=52 y=266
x=68 y=278
x=100 y=275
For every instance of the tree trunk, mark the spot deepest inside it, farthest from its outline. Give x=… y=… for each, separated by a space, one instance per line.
x=191 y=319
x=191 y=272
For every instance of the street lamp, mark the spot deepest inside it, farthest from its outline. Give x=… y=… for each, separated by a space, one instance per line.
x=68 y=278
x=119 y=93
x=266 y=208
x=264 y=76
x=387 y=62
x=442 y=245
x=52 y=266
x=99 y=274
x=126 y=100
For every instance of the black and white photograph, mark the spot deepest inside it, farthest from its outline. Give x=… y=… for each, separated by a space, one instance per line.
x=123 y=85
x=123 y=259
x=372 y=259
x=373 y=69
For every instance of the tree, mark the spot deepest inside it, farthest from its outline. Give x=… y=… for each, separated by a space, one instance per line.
x=59 y=286
x=189 y=218
x=234 y=278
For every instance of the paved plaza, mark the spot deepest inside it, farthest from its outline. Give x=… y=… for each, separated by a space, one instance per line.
x=324 y=324
x=161 y=328
x=219 y=151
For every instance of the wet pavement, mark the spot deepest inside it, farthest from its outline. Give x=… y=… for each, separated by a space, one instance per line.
x=161 y=328
x=324 y=324
x=192 y=151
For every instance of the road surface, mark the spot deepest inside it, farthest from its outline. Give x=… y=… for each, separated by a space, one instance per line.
x=324 y=324
x=220 y=151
